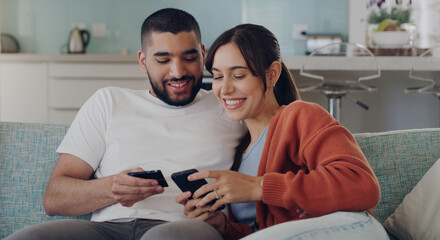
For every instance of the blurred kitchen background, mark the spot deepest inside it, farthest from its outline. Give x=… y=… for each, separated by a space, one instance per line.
x=40 y=82
x=43 y=26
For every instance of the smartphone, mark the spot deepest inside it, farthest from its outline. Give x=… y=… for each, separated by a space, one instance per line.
x=154 y=174
x=181 y=179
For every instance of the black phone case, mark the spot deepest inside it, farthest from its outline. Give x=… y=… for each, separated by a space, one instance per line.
x=181 y=180
x=154 y=174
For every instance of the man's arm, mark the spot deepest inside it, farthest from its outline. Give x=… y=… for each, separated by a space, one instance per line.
x=71 y=191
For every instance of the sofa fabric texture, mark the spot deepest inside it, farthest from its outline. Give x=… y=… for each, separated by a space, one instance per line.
x=27 y=157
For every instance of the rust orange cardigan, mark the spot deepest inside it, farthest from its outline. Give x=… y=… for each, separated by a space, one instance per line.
x=309 y=163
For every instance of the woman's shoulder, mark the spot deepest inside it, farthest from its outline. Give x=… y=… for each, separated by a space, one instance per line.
x=301 y=119
x=301 y=108
x=303 y=115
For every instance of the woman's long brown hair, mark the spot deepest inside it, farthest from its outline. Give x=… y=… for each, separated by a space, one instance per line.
x=259 y=48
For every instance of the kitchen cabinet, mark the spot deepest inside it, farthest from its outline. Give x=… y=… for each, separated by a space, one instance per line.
x=51 y=89
x=71 y=84
x=23 y=92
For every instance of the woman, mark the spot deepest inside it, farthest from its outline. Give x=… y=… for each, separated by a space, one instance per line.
x=296 y=162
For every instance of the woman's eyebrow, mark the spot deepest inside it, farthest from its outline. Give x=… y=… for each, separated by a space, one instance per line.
x=237 y=67
x=231 y=68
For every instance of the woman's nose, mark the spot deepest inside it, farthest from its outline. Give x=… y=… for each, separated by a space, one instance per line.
x=227 y=86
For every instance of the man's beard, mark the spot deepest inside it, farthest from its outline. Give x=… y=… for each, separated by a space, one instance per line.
x=162 y=93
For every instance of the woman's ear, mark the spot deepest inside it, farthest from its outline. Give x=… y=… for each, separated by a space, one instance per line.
x=273 y=74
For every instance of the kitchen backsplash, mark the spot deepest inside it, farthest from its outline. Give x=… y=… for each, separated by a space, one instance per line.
x=43 y=26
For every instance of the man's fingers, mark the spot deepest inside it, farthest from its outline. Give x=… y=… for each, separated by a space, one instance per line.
x=134 y=190
x=128 y=200
x=125 y=179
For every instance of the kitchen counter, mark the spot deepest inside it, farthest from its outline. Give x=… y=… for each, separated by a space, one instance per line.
x=71 y=58
x=51 y=88
x=293 y=62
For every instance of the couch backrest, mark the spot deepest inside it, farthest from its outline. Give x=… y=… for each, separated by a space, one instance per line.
x=399 y=160
x=27 y=157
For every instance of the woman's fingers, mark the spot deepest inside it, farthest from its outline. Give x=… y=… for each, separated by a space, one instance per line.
x=206 y=200
x=193 y=212
x=206 y=174
x=183 y=197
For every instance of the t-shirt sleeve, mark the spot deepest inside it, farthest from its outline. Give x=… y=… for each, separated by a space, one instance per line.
x=85 y=138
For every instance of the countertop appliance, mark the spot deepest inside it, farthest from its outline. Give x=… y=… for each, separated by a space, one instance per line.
x=78 y=41
x=8 y=43
x=315 y=41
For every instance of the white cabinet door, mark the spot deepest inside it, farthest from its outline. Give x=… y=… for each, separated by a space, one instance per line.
x=71 y=84
x=23 y=92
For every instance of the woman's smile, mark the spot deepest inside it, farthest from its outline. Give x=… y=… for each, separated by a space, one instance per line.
x=233 y=103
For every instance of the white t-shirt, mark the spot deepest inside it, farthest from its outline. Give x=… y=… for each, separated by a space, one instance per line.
x=119 y=129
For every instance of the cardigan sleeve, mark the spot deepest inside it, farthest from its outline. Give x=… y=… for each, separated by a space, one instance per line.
x=234 y=230
x=314 y=164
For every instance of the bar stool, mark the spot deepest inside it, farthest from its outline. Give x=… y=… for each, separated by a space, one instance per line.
x=332 y=65
x=423 y=70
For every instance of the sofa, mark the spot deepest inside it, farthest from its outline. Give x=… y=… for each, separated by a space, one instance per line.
x=27 y=156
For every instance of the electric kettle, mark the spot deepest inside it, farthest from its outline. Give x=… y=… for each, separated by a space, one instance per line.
x=78 y=41
x=8 y=43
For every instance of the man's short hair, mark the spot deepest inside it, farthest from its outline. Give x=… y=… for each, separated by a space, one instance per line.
x=169 y=20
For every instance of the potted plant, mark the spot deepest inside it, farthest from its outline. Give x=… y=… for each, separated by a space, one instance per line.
x=389 y=23
x=392 y=9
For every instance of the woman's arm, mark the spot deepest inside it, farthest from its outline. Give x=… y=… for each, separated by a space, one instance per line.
x=316 y=165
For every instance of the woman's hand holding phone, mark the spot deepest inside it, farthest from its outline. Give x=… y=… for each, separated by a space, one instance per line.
x=215 y=219
x=230 y=186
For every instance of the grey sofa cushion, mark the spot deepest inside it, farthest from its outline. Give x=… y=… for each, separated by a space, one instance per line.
x=399 y=160
x=27 y=157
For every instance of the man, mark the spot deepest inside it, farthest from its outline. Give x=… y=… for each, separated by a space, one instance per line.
x=172 y=127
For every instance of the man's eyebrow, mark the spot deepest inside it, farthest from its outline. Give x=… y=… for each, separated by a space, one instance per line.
x=159 y=54
x=190 y=51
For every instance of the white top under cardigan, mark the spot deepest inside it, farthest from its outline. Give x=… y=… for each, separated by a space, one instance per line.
x=119 y=129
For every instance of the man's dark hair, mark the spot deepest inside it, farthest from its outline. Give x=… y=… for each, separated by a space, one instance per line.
x=169 y=20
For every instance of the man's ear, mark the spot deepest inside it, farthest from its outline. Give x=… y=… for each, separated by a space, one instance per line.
x=203 y=52
x=142 y=61
x=273 y=74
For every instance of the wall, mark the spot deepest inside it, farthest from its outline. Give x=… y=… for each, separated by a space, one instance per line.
x=43 y=26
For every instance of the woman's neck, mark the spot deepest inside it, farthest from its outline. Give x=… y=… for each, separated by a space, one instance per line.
x=257 y=125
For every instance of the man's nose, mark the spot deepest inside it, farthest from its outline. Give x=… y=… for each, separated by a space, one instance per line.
x=177 y=69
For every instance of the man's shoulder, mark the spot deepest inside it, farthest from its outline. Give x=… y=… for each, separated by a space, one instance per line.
x=113 y=93
x=116 y=90
x=206 y=98
x=202 y=94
